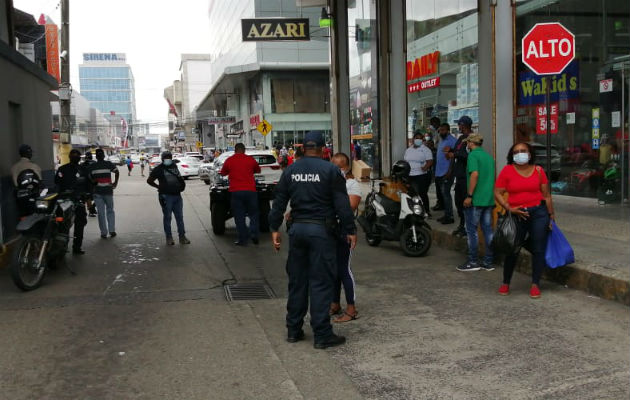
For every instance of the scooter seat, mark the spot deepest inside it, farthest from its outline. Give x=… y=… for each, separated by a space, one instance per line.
x=390 y=206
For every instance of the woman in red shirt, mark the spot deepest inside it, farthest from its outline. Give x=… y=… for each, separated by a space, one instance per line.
x=529 y=199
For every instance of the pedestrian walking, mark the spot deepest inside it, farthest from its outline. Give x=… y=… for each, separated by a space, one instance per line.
x=142 y=165
x=444 y=173
x=478 y=204
x=420 y=159
x=240 y=169
x=90 y=200
x=72 y=181
x=345 y=277
x=170 y=187
x=529 y=199
x=100 y=174
x=318 y=196
x=459 y=155
x=129 y=165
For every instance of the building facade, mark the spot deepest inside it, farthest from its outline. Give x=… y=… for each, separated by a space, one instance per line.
x=284 y=83
x=107 y=82
x=25 y=117
x=409 y=61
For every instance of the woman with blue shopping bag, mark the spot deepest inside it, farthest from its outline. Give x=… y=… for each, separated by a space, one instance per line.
x=529 y=201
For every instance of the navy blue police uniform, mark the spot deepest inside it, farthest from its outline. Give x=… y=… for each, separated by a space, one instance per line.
x=318 y=196
x=72 y=181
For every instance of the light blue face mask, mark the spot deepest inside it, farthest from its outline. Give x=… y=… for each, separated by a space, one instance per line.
x=417 y=142
x=167 y=162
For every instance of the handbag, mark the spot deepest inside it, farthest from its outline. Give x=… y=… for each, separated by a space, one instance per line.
x=505 y=239
x=559 y=252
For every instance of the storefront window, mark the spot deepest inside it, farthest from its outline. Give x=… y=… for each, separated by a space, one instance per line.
x=300 y=95
x=589 y=132
x=363 y=66
x=442 y=65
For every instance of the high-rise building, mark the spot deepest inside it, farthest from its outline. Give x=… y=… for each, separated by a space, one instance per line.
x=107 y=82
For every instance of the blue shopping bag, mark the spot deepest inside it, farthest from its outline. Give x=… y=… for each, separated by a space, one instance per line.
x=559 y=252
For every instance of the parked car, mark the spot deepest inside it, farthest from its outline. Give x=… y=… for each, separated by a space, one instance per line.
x=135 y=158
x=115 y=160
x=270 y=168
x=188 y=166
x=204 y=171
x=154 y=162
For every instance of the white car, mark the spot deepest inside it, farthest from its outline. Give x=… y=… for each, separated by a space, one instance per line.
x=135 y=159
x=114 y=159
x=270 y=170
x=188 y=166
x=154 y=162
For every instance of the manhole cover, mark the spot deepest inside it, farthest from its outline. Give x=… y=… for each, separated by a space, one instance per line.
x=248 y=291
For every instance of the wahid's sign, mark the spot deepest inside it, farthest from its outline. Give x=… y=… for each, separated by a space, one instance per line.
x=270 y=29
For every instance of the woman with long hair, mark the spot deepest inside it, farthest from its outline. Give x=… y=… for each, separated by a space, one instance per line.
x=529 y=200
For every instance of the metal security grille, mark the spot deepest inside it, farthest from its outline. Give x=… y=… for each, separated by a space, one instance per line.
x=248 y=291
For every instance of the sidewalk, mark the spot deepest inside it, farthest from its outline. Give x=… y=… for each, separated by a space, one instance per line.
x=599 y=235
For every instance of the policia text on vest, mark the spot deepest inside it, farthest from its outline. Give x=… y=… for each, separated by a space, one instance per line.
x=268 y=29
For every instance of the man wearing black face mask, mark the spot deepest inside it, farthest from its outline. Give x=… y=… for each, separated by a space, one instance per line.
x=72 y=181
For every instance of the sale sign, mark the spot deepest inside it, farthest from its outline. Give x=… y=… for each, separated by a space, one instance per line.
x=541 y=119
x=548 y=48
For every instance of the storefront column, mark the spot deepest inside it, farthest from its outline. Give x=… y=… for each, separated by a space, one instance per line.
x=496 y=111
x=504 y=79
x=340 y=93
x=392 y=82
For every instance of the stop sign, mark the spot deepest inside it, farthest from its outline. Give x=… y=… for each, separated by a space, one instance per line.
x=548 y=48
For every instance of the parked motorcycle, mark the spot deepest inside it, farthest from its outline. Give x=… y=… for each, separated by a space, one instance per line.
x=43 y=242
x=404 y=220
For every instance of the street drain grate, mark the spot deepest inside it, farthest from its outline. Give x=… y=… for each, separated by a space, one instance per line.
x=248 y=291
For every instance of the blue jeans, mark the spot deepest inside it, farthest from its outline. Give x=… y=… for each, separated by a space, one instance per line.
x=312 y=270
x=344 y=273
x=537 y=226
x=245 y=203
x=474 y=217
x=172 y=204
x=106 y=215
x=447 y=199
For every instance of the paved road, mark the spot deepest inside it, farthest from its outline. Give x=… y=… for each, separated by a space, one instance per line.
x=145 y=321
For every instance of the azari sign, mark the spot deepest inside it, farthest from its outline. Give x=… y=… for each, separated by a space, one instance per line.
x=275 y=29
x=548 y=48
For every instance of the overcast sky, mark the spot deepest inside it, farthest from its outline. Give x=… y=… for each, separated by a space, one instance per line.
x=153 y=33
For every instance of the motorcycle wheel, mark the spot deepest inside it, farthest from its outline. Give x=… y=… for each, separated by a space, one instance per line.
x=27 y=273
x=419 y=248
x=372 y=240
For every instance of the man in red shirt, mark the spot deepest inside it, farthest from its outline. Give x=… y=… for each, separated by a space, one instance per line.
x=240 y=169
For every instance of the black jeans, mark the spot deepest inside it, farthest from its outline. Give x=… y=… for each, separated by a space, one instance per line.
x=439 y=181
x=460 y=196
x=537 y=226
x=80 y=220
x=245 y=203
x=421 y=184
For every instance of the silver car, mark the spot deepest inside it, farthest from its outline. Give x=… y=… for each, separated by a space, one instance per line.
x=270 y=169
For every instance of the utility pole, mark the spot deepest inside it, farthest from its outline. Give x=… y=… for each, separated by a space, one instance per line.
x=65 y=90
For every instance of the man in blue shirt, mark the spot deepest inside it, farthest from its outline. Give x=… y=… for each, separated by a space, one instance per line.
x=443 y=173
x=318 y=196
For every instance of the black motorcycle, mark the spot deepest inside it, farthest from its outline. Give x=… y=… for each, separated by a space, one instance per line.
x=44 y=240
x=403 y=221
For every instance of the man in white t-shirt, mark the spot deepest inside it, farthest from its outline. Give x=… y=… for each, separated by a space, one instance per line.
x=420 y=159
x=344 y=253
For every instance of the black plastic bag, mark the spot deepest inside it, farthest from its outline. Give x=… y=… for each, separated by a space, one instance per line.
x=505 y=239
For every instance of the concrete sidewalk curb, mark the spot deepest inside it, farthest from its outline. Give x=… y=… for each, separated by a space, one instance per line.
x=594 y=279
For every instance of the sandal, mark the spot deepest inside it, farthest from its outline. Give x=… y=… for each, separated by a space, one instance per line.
x=347 y=317
x=334 y=310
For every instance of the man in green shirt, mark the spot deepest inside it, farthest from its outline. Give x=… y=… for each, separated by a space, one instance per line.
x=479 y=203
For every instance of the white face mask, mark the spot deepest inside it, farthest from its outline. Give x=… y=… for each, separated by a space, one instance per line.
x=521 y=158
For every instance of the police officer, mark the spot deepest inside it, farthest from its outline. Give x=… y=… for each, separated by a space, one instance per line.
x=72 y=180
x=318 y=196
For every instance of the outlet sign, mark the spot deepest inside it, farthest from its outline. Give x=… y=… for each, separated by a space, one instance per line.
x=275 y=29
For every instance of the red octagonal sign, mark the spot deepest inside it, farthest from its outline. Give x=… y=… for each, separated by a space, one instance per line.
x=548 y=48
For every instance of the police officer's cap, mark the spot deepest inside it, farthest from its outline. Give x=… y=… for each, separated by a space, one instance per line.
x=465 y=120
x=167 y=154
x=314 y=139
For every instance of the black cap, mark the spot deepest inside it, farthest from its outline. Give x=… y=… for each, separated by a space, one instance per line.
x=25 y=151
x=314 y=139
x=465 y=120
x=167 y=154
